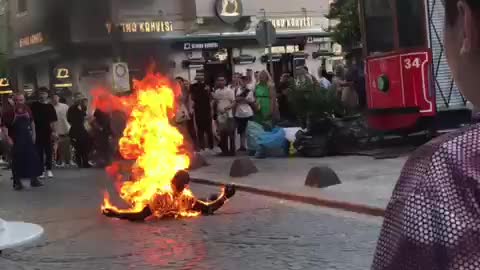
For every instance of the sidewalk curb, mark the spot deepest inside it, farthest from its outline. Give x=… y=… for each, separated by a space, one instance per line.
x=346 y=206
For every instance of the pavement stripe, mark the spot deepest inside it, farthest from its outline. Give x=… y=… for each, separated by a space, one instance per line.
x=346 y=206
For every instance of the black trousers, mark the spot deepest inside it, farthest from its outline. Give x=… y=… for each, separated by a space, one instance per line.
x=193 y=133
x=227 y=137
x=82 y=150
x=45 y=152
x=205 y=130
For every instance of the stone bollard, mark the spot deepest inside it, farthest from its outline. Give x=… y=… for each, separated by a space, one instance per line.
x=242 y=167
x=197 y=162
x=322 y=177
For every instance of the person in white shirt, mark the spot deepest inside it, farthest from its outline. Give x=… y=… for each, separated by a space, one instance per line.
x=324 y=82
x=62 y=128
x=244 y=103
x=224 y=101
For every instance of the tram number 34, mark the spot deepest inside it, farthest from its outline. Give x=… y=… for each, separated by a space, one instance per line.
x=409 y=63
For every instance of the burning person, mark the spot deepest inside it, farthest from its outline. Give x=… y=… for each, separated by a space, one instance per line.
x=170 y=205
x=157 y=185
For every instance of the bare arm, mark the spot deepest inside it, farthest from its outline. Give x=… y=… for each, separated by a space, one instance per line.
x=6 y=136
x=273 y=100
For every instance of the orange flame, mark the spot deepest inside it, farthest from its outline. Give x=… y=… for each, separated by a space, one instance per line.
x=155 y=145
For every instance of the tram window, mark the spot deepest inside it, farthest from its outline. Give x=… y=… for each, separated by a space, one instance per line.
x=410 y=23
x=379 y=26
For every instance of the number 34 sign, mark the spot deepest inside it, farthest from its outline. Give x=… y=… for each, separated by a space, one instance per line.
x=412 y=62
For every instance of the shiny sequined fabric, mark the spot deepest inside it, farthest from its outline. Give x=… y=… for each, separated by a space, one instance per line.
x=433 y=219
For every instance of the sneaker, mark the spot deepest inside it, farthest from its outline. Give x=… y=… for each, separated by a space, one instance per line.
x=50 y=174
x=42 y=176
x=35 y=183
x=72 y=163
x=61 y=165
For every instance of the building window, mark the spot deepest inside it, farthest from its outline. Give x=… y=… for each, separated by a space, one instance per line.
x=21 y=6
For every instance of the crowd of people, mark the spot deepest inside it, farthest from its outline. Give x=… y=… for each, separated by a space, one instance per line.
x=211 y=116
x=47 y=133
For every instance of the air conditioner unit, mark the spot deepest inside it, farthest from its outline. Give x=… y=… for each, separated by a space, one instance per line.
x=244 y=59
x=193 y=63
x=276 y=57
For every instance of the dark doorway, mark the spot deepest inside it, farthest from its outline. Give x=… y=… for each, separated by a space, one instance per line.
x=213 y=70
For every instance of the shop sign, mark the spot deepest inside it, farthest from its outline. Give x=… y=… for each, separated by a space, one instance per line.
x=33 y=39
x=62 y=73
x=200 y=46
x=229 y=11
x=143 y=27
x=62 y=77
x=121 y=77
x=4 y=82
x=312 y=40
x=292 y=23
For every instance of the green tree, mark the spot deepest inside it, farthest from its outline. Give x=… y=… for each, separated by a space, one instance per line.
x=347 y=31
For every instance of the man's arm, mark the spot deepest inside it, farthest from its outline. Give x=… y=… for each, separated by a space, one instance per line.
x=131 y=216
x=208 y=208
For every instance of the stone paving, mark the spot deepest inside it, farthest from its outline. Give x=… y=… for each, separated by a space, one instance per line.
x=251 y=232
x=365 y=181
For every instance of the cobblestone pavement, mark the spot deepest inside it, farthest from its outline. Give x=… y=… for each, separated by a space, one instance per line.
x=251 y=232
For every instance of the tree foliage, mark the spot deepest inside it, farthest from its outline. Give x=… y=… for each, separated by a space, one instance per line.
x=347 y=31
x=309 y=101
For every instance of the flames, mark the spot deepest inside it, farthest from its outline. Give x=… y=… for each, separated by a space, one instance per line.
x=154 y=144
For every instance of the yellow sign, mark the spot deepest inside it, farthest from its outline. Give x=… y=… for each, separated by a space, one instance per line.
x=63 y=73
x=292 y=23
x=4 y=82
x=31 y=40
x=63 y=85
x=143 y=27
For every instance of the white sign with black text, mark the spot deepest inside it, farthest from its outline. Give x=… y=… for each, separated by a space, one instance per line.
x=200 y=46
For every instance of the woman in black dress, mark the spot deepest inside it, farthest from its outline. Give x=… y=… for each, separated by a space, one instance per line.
x=20 y=130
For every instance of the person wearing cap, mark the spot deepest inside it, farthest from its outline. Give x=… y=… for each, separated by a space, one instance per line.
x=76 y=116
x=45 y=118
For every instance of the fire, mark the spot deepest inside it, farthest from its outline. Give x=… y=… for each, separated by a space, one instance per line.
x=154 y=144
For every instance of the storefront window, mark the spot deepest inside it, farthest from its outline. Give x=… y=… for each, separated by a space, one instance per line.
x=410 y=22
x=379 y=26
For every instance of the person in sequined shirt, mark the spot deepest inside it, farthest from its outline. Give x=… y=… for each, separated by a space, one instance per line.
x=433 y=218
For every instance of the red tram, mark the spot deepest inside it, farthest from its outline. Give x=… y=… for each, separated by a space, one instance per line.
x=407 y=78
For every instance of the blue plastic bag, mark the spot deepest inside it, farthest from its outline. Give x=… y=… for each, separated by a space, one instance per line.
x=254 y=132
x=272 y=144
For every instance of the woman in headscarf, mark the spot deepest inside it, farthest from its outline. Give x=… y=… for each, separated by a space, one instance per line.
x=433 y=218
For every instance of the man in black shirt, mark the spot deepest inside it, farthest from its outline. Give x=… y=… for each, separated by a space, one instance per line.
x=45 y=116
x=79 y=135
x=201 y=96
